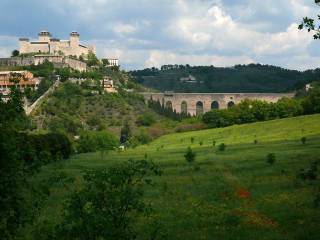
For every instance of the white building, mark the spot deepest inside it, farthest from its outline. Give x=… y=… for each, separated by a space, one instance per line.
x=112 y=62
x=46 y=44
x=308 y=87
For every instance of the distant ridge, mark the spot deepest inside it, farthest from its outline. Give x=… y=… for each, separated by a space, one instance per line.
x=252 y=78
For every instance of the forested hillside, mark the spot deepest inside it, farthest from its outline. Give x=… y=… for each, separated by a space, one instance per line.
x=240 y=78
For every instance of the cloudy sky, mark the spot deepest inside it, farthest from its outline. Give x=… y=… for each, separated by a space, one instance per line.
x=146 y=33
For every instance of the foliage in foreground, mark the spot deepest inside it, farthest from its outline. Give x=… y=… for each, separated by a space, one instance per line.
x=108 y=204
x=21 y=156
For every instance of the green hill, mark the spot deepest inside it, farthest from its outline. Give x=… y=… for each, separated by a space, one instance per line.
x=234 y=194
x=240 y=78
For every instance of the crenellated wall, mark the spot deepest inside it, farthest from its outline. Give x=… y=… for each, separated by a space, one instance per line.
x=210 y=100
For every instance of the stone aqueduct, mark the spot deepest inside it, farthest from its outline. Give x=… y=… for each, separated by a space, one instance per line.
x=197 y=103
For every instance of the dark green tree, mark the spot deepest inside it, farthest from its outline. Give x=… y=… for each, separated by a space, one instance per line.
x=126 y=132
x=15 y=53
x=190 y=155
x=92 y=59
x=271 y=158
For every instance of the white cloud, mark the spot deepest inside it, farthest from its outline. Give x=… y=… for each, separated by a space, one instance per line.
x=122 y=28
x=195 y=32
x=159 y=58
x=292 y=41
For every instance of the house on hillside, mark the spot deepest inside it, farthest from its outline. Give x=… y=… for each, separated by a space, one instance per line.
x=108 y=85
x=21 y=79
x=189 y=79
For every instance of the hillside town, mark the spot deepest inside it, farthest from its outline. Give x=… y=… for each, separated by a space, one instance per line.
x=61 y=53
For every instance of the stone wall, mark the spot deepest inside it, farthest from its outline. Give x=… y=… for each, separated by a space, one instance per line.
x=57 y=60
x=209 y=100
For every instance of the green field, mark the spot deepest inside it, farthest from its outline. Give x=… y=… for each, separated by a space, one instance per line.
x=234 y=194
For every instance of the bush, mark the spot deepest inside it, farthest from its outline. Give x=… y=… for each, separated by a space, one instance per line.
x=92 y=141
x=303 y=140
x=222 y=147
x=201 y=143
x=143 y=137
x=192 y=139
x=271 y=158
x=190 y=155
x=146 y=119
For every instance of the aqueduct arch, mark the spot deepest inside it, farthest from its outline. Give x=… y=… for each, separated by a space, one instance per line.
x=215 y=105
x=199 y=108
x=181 y=102
x=184 y=107
x=169 y=105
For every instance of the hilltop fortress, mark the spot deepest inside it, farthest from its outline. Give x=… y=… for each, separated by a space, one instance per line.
x=47 y=44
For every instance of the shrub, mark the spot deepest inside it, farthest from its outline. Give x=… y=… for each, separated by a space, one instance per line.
x=222 y=147
x=271 y=158
x=91 y=141
x=190 y=155
x=214 y=143
x=146 y=119
x=143 y=137
x=303 y=140
x=192 y=139
x=201 y=143
x=255 y=141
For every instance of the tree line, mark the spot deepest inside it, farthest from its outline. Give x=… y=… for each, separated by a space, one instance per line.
x=166 y=111
x=239 y=78
x=249 y=111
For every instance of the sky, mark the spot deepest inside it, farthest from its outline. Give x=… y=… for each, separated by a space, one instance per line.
x=151 y=33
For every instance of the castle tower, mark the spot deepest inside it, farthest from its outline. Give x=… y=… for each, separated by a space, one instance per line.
x=54 y=45
x=44 y=36
x=24 y=45
x=74 y=39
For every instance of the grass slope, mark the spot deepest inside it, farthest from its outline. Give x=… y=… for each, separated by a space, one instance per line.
x=235 y=194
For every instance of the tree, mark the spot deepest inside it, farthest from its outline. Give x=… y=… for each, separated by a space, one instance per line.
x=310 y=25
x=15 y=53
x=146 y=119
x=109 y=203
x=222 y=147
x=15 y=210
x=271 y=158
x=105 y=62
x=92 y=60
x=190 y=155
x=105 y=141
x=311 y=103
x=125 y=134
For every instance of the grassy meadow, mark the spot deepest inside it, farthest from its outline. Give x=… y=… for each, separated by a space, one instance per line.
x=234 y=194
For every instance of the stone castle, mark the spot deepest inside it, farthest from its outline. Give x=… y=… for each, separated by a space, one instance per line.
x=47 y=44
